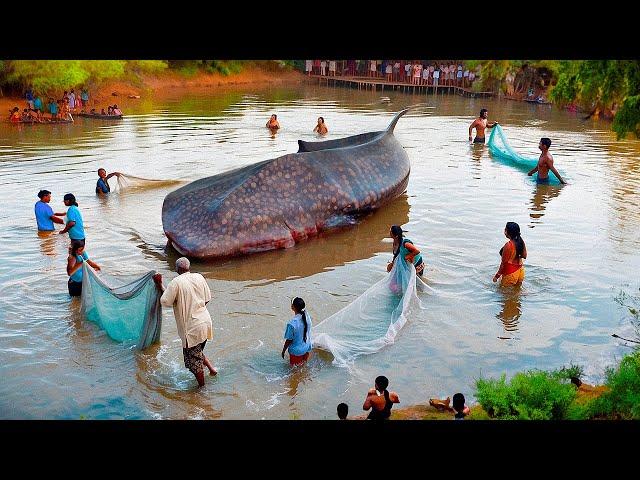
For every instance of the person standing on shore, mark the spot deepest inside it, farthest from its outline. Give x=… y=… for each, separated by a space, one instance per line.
x=545 y=163
x=480 y=124
x=189 y=294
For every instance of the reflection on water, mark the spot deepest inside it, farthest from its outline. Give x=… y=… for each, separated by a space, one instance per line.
x=511 y=310
x=542 y=194
x=585 y=244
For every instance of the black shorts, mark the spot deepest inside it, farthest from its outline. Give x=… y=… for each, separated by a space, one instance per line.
x=75 y=288
x=478 y=140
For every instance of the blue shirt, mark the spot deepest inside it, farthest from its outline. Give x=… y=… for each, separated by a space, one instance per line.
x=84 y=95
x=29 y=96
x=77 y=231
x=37 y=104
x=295 y=332
x=53 y=108
x=403 y=252
x=77 y=276
x=102 y=186
x=43 y=216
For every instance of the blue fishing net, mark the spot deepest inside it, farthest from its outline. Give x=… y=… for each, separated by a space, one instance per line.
x=500 y=149
x=126 y=307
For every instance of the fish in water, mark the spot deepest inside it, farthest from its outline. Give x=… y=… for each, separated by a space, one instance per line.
x=279 y=202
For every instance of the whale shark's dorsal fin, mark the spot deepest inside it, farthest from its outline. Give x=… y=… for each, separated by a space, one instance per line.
x=392 y=125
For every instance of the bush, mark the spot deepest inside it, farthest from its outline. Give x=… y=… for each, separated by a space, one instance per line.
x=623 y=398
x=532 y=395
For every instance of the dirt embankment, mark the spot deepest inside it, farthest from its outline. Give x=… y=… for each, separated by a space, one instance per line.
x=168 y=83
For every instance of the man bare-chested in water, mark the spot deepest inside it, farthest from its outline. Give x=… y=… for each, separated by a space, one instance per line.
x=480 y=124
x=545 y=163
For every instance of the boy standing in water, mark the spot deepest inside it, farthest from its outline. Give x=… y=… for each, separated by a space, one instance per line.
x=545 y=163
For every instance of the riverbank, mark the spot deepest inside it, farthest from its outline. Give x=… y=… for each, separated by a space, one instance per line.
x=585 y=393
x=171 y=83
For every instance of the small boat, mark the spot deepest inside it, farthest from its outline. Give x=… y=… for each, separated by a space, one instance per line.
x=99 y=116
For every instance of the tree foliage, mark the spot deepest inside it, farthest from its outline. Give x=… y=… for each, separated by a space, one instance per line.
x=603 y=84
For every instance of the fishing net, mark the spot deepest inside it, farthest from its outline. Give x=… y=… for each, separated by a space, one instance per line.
x=127 y=307
x=131 y=182
x=374 y=319
x=500 y=148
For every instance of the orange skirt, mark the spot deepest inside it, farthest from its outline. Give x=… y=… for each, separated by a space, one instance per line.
x=514 y=278
x=298 y=359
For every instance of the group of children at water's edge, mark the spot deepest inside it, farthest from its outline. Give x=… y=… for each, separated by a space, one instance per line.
x=189 y=293
x=415 y=72
x=274 y=125
x=60 y=110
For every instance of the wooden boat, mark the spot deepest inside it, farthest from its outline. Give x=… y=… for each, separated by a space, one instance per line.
x=535 y=100
x=99 y=117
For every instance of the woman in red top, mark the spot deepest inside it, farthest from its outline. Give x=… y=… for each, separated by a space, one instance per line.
x=513 y=253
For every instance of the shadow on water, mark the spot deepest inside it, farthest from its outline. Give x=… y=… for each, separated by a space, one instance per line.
x=542 y=195
x=324 y=252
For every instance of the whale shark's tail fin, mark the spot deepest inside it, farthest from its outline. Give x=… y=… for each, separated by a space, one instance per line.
x=392 y=125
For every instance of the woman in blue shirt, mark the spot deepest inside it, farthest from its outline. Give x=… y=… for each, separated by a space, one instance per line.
x=298 y=334
x=75 y=224
x=77 y=256
x=404 y=248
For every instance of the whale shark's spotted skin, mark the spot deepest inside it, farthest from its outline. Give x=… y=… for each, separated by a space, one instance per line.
x=277 y=203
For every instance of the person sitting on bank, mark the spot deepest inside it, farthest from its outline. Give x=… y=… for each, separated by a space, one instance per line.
x=480 y=124
x=53 y=109
x=45 y=218
x=74 y=224
x=116 y=111
x=545 y=163
x=103 y=112
x=512 y=254
x=321 y=128
x=14 y=115
x=405 y=248
x=77 y=256
x=343 y=411
x=379 y=400
x=273 y=123
x=103 y=182
x=459 y=407
x=298 y=334
x=189 y=294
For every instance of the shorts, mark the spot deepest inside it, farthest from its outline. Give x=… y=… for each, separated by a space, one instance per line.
x=298 y=359
x=194 y=358
x=478 y=140
x=75 y=288
x=542 y=181
x=76 y=240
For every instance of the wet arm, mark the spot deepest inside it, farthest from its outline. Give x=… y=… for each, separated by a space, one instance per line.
x=555 y=172
x=285 y=346
x=367 y=401
x=413 y=251
x=93 y=264
x=55 y=219
x=534 y=170
x=68 y=227
x=473 y=124
x=504 y=261
x=73 y=266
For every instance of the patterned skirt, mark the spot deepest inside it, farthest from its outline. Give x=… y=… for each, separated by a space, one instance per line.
x=194 y=357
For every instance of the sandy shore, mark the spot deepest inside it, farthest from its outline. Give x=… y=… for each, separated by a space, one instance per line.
x=166 y=84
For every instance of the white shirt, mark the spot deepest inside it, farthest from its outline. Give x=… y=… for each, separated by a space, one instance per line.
x=188 y=294
x=436 y=74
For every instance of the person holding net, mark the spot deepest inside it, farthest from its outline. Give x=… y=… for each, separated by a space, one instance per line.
x=102 y=186
x=480 y=124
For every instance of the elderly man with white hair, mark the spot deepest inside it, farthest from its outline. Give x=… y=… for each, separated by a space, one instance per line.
x=189 y=294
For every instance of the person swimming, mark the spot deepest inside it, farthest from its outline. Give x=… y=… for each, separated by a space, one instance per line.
x=273 y=123
x=321 y=127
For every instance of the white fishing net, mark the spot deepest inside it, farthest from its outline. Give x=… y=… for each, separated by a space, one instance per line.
x=374 y=319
